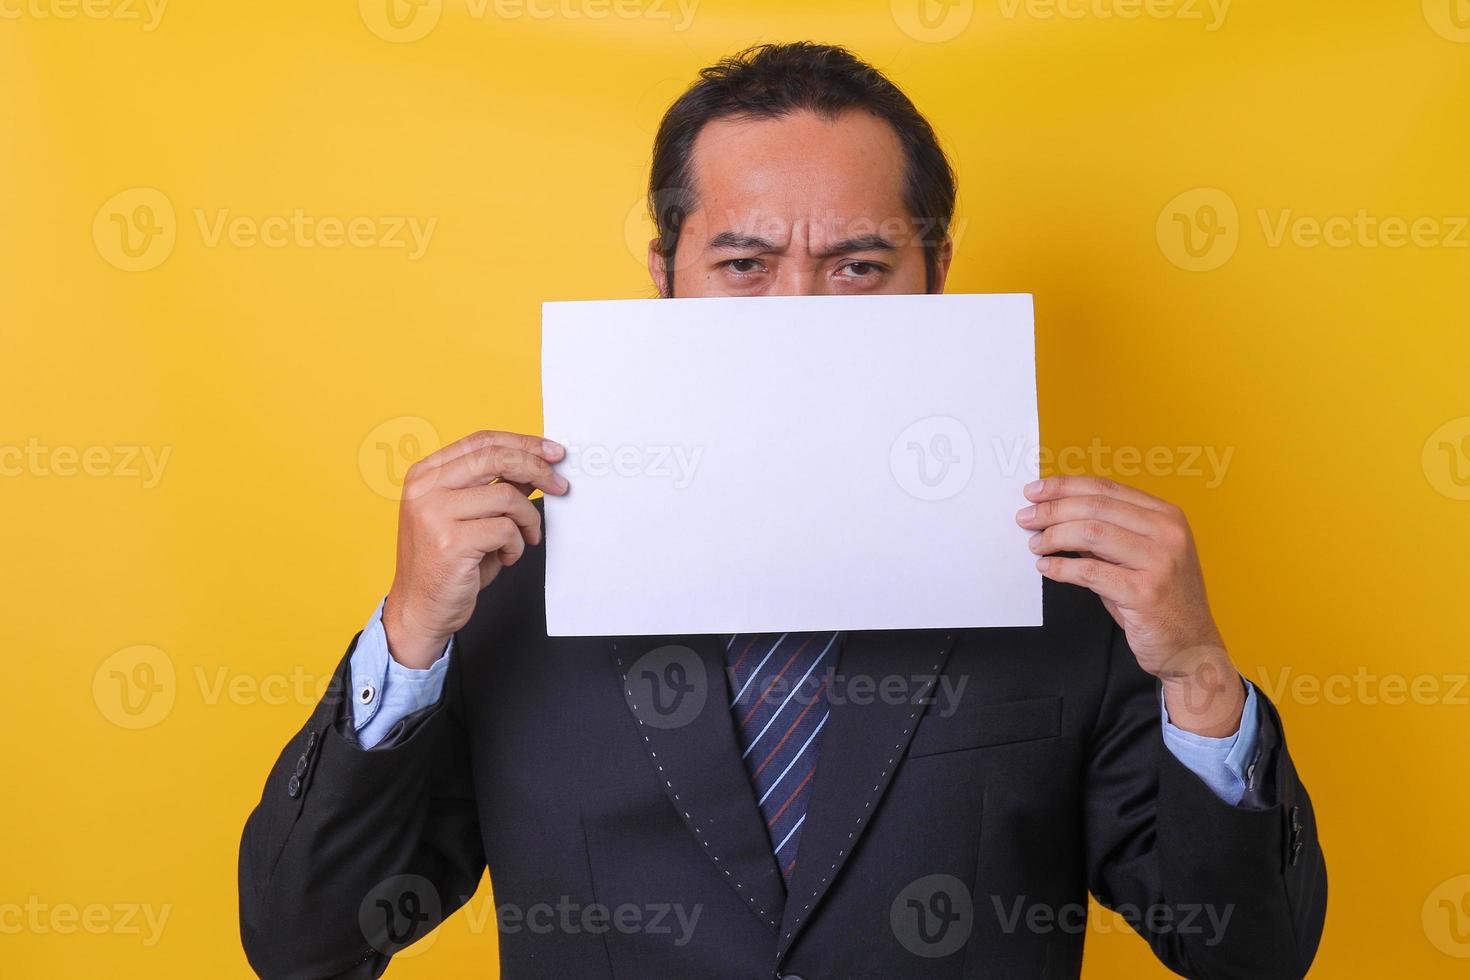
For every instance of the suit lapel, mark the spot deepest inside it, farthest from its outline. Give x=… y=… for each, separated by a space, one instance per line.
x=676 y=688
x=861 y=747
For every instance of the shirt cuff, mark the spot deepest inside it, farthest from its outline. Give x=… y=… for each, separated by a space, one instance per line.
x=1220 y=762
x=384 y=692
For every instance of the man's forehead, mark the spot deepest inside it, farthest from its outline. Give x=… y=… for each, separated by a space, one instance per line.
x=799 y=174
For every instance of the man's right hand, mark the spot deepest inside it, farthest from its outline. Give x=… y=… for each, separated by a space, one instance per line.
x=464 y=516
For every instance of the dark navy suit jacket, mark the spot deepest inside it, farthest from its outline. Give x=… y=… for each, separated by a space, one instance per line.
x=960 y=842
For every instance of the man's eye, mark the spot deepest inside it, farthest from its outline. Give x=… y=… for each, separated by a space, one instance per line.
x=742 y=266
x=862 y=270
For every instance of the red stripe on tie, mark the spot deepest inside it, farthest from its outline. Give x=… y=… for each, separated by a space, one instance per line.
x=816 y=696
x=774 y=680
x=794 y=794
x=741 y=659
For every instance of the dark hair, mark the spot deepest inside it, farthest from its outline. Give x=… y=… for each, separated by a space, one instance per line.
x=772 y=80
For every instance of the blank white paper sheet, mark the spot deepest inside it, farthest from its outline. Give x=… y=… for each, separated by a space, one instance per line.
x=772 y=464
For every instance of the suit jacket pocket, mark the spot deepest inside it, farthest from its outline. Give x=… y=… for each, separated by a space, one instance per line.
x=988 y=724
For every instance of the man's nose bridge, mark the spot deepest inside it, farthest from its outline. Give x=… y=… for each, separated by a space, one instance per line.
x=798 y=277
x=800 y=274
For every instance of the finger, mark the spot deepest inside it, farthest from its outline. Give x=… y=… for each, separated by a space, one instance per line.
x=496 y=500
x=1140 y=520
x=1107 y=541
x=498 y=536
x=1106 y=579
x=524 y=489
x=545 y=448
x=496 y=462
x=1054 y=487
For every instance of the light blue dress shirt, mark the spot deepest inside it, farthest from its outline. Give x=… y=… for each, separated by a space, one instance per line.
x=384 y=692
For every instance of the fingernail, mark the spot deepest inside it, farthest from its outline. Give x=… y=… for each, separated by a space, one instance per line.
x=1042 y=564
x=552 y=449
x=1033 y=487
x=1025 y=514
x=560 y=482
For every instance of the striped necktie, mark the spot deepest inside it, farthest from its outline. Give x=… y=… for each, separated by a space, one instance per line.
x=780 y=708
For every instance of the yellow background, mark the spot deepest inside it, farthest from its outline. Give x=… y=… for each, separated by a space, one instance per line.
x=274 y=377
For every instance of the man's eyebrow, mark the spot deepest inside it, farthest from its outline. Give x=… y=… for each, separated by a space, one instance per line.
x=733 y=241
x=736 y=242
x=863 y=243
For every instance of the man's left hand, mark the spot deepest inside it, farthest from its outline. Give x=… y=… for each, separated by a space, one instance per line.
x=1138 y=555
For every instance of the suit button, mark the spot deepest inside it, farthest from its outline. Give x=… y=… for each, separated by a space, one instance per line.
x=293 y=787
x=1296 y=853
x=301 y=765
x=787 y=976
x=310 y=744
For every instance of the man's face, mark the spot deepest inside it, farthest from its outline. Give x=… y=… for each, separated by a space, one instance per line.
x=799 y=205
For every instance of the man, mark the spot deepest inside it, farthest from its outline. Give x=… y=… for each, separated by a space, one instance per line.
x=951 y=825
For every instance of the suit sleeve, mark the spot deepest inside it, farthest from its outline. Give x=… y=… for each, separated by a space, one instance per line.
x=353 y=854
x=1218 y=891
